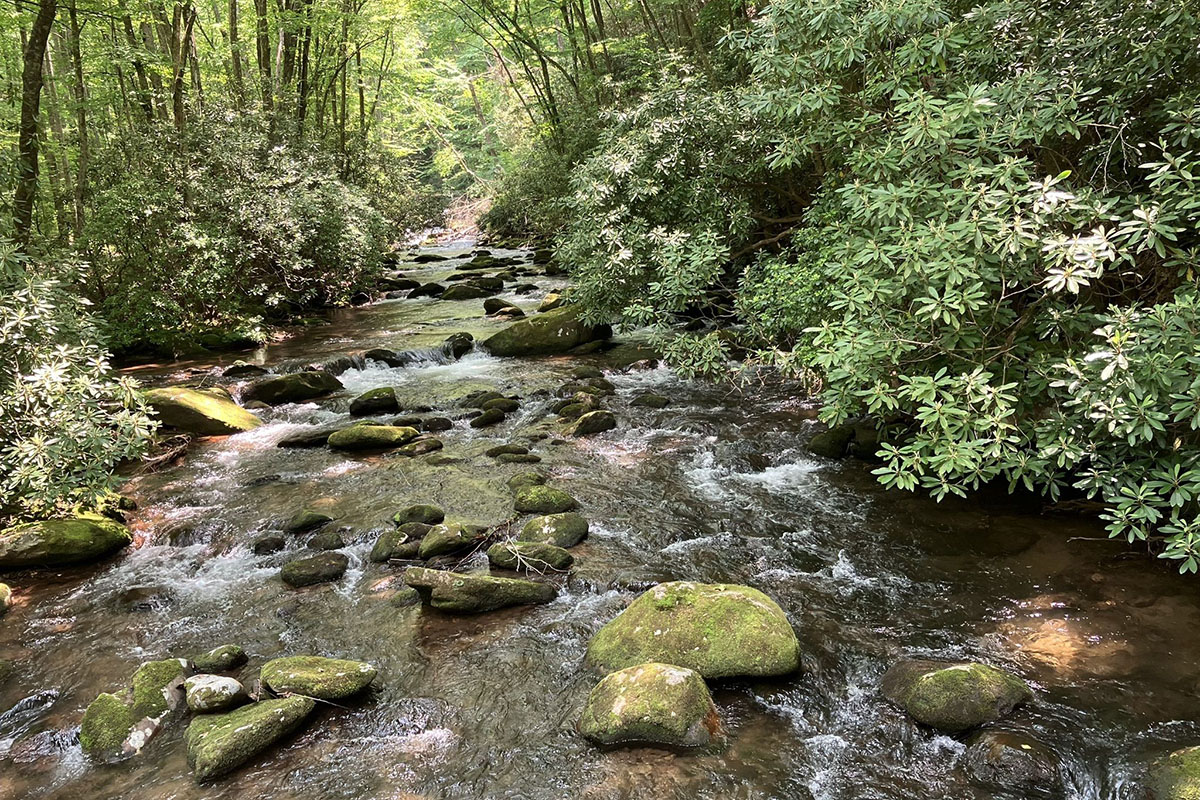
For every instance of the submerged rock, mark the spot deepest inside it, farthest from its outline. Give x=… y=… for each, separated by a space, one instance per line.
x=422 y=512
x=311 y=570
x=651 y=400
x=449 y=538
x=371 y=437
x=537 y=556
x=220 y=659
x=543 y=500
x=219 y=743
x=594 y=422
x=199 y=412
x=1013 y=765
x=471 y=593
x=552 y=332
x=465 y=291
x=210 y=693
x=294 y=387
x=376 y=401
x=719 y=630
x=55 y=542
x=305 y=521
x=506 y=449
x=953 y=696
x=317 y=677
x=316 y=437
x=658 y=703
x=525 y=480
x=1176 y=777
x=560 y=530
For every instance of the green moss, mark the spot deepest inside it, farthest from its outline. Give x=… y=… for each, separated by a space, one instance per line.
x=650 y=703
x=543 y=500
x=1176 y=777
x=292 y=388
x=306 y=520
x=536 y=556
x=554 y=331
x=719 y=630
x=374 y=401
x=219 y=743
x=106 y=724
x=471 y=593
x=87 y=537
x=449 y=538
x=560 y=530
x=524 y=480
x=594 y=422
x=156 y=687
x=201 y=412
x=371 y=437
x=317 y=677
x=321 y=568
x=220 y=659
x=953 y=696
x=423 y=512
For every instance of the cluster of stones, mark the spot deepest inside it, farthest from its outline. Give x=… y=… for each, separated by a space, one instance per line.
x=229 y=725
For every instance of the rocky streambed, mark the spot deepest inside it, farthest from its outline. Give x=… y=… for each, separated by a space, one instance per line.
x=457 y=543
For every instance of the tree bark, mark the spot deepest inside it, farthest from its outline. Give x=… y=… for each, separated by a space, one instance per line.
x=27 y=134
x=81 y=123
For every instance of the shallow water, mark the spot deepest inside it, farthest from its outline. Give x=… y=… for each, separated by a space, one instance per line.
x=717 y=487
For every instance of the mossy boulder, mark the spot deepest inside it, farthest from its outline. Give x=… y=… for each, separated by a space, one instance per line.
x=305 y=521
x=449 y=538
x=294 y=387
x=317 y=677
x=1176 y=777
x=326 y=540
x=594 y=422
x=104 y=732
x=220 y=659
x=425 y=513
x=552 y=332
x=651 y=400
x=505 y=404
x=493 y=416
x=220 y=743
x=506 y=449
x=550 y=302
x=55 y=542
x=465 y=291
x=201 y=413
x=310 y=570
x=560 y=530
x=719 y=630
x=158 y=687
x=535 y=556
x=525 y=480
x=543 y=500
x=404 y=542
x=371 y=437
x=376 y=401
x=494 y=304
x=265 y=545
x=207 y=694
x=472 y=593
x=953 y=696
x=1012 y=765
x=658 y=703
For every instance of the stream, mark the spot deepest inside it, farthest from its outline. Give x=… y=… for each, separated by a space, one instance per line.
x=717 y=487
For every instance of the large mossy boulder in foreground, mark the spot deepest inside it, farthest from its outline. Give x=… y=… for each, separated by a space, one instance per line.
x=54 y=542
x=1176 y=777
x=553 y=332
x=652 y=702
x=951 y=696
x=295 y=387
x=470 y=593
x=719 y=630
x=365 y=436
x=317 y=677
x=202 y=413
x=220 y=743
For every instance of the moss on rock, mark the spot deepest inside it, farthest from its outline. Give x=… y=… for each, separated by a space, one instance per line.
x=471 y=593
x=551 y=332
x=220 y=659
x=55 y=542
x=105 y=728
x=422 y=512
x=653 y=702
x=305 y=521
x=594 y=422
x=317 y=677
x=158 y=687
x=543 y=500
x=371 y=437
x=560 y=530
x=524 y=480
x=719 y=630
x=953 y=696
x=375 y=401
x=294 y=387
x=202 y=413
x=219 y=743
x=310 y=570
x=537 y=556
x=449 y=538
x=1176 y=777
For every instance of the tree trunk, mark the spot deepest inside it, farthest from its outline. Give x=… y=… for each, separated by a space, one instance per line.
x=235 y=50
x=262 y=38
x=81 y=123
x=27 y=134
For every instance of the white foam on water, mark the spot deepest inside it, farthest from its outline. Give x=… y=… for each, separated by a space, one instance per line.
x=193 y=573
x=475 y=365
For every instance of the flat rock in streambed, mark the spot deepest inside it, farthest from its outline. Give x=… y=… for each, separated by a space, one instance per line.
x=543 y=500
x=208 y=694
x=57 y=542
x=953 y=696
x=365 y=436
x=311 y=570
x=470 y=593
x=535 y=556
x=317 y=677
x=295 y=387
x=552 y=332
x=560 y=530
x=1176 y=777
x=220 y=743
x=449 y=538
x=655 y=703
x=719 y=630
x=199 y=412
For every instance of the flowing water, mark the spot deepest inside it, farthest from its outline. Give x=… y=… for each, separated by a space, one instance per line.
x=716 y=487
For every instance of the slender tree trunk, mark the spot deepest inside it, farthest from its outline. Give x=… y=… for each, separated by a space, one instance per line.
x=56 y=158
x=235 y=52
x=81 y=122
x=27 y=134
x=262 y=38
x=156 y=84
x=139 y=69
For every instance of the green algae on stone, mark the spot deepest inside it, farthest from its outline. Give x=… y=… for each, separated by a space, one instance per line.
x=594 y=422
x=450 y=538
x=55 y=542
x=650 y=400
x=424 y=513
x=536 y=556
x=310 y=570
x=953 y=696
x=375 y=401
x=158 y=687
x=471 y=593
x=220 y=743
x=220 y=659
x=1176 y=777
x=105 y=728
x=317 y=677
x=560 y=530
x=364 y=436
x=403 y=542
x=1012 y=764
x=294 y=387
x=719 y=630
x=525 y=480
x=551 y=332
x=659 y=703
x=199 y=412
x=543 y=500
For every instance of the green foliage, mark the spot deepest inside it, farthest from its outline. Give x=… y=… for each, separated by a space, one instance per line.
x=65 y=419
